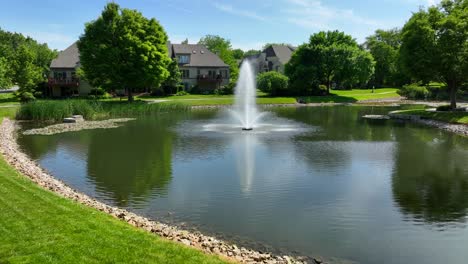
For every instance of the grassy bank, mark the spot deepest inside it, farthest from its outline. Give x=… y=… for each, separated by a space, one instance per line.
x=38 y=226
x=352 y=96
x=337 y=96
x=449 y=117
x=56 y=110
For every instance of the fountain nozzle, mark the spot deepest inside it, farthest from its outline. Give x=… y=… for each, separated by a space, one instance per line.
x=247 y=129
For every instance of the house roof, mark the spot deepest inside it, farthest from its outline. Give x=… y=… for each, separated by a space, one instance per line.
x=68 y=58
x=283 y=52
x=200 y=56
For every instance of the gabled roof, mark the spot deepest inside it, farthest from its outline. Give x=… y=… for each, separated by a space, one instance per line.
x=68 y=58
x=283 y=52
x=200 y=56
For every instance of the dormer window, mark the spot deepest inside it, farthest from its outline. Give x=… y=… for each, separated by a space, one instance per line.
x=184 y=59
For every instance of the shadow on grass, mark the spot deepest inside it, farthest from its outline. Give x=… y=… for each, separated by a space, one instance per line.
x=7 y=97
x=331 y=98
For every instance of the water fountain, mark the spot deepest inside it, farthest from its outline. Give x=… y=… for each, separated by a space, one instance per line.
x=245 y=109
x=244 y=114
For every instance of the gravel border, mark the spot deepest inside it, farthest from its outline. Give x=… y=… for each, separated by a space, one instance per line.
x=459 y=129
x=23 y=164
x=78 y=126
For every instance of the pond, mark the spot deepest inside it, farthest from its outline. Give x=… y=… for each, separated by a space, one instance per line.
x=328 y=183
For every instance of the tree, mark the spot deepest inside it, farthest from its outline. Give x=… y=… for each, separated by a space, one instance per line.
x=238 y=54
x=5 y=78
x=329 y=57
x=27 y=73
x=123 y=49
x=435 y=45
x=23 y=61
x=185 y=41
x=267 y=45
x=222 y=47
x=273 y=83
x=251 y=53
x=384 y=46
x=174 y=75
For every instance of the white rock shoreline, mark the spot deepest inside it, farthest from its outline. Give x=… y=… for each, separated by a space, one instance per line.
x=22 y=163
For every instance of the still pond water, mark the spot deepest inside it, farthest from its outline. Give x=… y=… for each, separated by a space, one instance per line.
x=325 y=183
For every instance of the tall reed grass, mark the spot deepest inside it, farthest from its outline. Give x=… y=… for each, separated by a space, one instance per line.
x=56 y=110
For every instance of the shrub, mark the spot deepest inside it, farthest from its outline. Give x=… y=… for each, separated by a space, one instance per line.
x=414 y=91
x=38 y=94
x=273 y=83
x=158 y=92
x=444 y=108
x=195 y=89
x=97 y=92
x=26 y=97
x=181 y=93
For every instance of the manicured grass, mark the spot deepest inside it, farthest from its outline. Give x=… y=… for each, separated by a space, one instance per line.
x=449 y=117
x=8 y=99
x=38 y=226
x=351 y=96
x=196 y=100
x=336 y=97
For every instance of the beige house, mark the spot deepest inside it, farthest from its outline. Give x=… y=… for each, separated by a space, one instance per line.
x=63 y=80
x=199 y=66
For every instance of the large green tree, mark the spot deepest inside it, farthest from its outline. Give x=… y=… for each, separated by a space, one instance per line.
x=123 y=49
x=384 y=45
x=238 y=54
x=329 y=57
x=435 y=45
x=174 y=78
x=223 y=48
x=27 y=73
x=23 y=61
x=5 y=78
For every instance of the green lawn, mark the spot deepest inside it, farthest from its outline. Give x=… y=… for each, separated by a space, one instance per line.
x=262 y=98
x=8 y=99
x=352 y=96
x=38 y=226
x=449 y=117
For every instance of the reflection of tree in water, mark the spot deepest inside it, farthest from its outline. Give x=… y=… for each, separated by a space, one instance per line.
x=133 y=160
x=430 y=179
x=340 y=123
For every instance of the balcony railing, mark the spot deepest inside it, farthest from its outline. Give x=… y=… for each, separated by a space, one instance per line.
x=207 y=78
x=72 y=82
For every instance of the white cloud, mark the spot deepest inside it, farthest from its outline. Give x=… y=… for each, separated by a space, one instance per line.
x=314 y=14
x=54 y=40
x=239 y=12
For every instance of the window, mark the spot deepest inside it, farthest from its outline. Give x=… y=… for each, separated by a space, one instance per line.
x=184 y=59
x=185 y=74
x=224 y=74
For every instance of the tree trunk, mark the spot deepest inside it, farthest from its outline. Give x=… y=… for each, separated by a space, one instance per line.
x=453 y=94
x=130 y=95
x=328 y=86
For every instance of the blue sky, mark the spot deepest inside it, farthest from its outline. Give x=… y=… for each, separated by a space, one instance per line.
x=247 y=23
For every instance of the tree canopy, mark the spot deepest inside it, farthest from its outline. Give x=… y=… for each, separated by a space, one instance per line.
x=384 y=46
x=435 y=45
x=223 y=48
x=123 y=49
x=23 y=61
x=329 y=58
